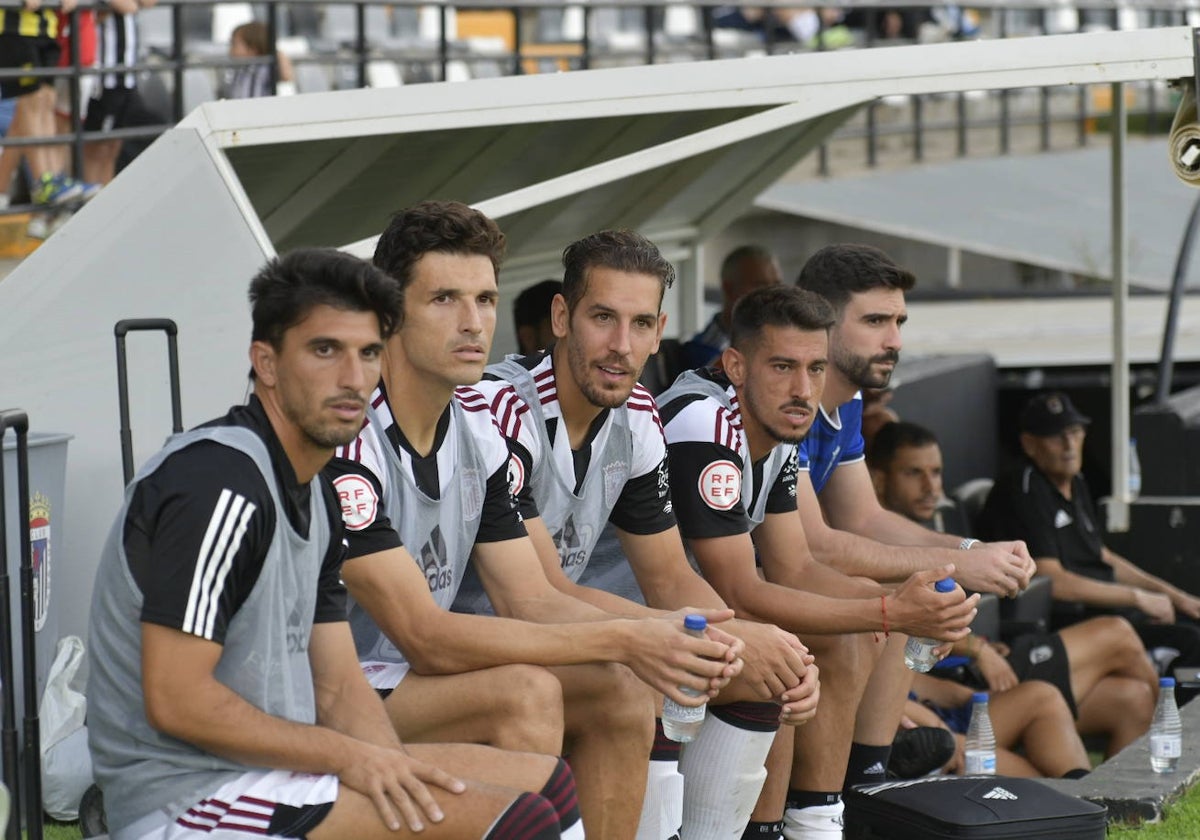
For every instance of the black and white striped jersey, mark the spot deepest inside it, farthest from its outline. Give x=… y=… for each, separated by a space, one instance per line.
x=199 y=527
x=117 y=45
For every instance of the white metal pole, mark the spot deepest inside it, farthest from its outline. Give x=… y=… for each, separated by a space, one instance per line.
x=1118 y=507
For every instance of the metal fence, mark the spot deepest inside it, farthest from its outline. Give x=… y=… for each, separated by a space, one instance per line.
x=372 y=43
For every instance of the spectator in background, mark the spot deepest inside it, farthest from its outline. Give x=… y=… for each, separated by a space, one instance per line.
x=1047 y=503
x=876 y=413
x=28 y=39
x=116 y=103
x=743 y=270
x=531 y=316
x=250 y=40
x=905 y=463
x=1099 y=665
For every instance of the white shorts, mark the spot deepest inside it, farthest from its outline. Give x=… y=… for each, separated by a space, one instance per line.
x=88 y=87
x=240 y=809
x=384 y=676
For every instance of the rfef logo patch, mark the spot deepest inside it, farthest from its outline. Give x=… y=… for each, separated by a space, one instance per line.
x=721 y=485
x=358 y=499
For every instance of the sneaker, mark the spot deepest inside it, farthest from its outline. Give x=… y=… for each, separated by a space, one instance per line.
x=818 y=822
x=38 y=227
x=52 y=190
x=917 y=752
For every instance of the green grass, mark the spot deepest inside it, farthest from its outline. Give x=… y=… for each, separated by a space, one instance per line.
x=1181 y=823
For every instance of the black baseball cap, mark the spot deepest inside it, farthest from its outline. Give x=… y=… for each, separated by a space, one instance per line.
x=1048 y=414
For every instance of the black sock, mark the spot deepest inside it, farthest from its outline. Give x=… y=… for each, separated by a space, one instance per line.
x=763 y=830
x=1077 y=773
x=529 y=817
x=560 y=791
x=867 y=764
x=810 y=798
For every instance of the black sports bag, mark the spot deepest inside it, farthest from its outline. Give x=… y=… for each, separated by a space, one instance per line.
x=969 y=807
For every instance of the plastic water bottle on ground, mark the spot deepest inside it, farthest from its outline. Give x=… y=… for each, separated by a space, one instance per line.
x=981 y=741
x=682 y=723
x=1166 y=733
x=918 y=651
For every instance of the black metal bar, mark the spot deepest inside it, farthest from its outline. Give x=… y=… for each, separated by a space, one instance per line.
x=585 y=39
x=1044 y=119
x=8 y=730
x=76 y=104
x=31 y=748
x=918 y=105
x=823 y=159
x=443 y=41
x=648 y=22
x=360 y=42
x=518 y=40
x=710 y=45
x=961 y=120
x=177 y=59
x=1004 y=115
x=1166 y=359
x=140 y=325
x=1083 y=118
x=273 y=44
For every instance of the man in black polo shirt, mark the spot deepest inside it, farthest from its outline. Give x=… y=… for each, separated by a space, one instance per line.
x=1046 y=503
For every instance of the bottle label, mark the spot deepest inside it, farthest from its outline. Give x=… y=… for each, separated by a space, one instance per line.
x=1166 y=746
x=980 y=763
x=682 y=714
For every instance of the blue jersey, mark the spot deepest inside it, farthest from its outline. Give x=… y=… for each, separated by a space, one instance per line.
x=832 y=441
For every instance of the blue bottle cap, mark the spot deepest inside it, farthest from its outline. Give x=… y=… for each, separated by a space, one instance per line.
x=945 y=585
x=979 y=697
x=695 y=622
x=1166 y=682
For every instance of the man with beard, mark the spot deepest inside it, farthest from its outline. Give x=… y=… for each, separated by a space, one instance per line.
x=429 y=471
x=226 y=700
x=843 y=520
x=592 y=451
x=732 y=437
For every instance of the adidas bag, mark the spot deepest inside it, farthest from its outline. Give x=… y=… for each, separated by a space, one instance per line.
x=970 y=807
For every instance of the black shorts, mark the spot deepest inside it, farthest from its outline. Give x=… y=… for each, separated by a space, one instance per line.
x=30 y=54
x=118 y=108
x=1043 y=656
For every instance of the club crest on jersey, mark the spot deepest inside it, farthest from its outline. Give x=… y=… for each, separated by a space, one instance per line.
x=39 y=540
x=516 y=475
x=358 y=499
x=720 y=485
x=615 y=476
x=472 y=493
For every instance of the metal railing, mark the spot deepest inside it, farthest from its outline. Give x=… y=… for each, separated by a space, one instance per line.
x=617 y=32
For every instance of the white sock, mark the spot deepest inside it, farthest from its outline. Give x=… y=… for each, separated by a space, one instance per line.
x=573 y=832
x=724 y=774
x=662 y=808
x=817 y=822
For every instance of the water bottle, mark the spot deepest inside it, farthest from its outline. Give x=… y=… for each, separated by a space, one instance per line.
x=682 y=723
x=981 y=742
x=1135 y=470
x=918 y=651
x=1166 y=734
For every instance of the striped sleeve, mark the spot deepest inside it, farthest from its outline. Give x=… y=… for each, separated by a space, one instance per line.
x=195 y=538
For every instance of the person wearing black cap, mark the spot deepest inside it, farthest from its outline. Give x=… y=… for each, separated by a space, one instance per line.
x=1047 y=503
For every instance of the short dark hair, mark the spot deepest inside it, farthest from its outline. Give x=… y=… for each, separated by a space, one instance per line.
x=287 y=288
x=895 y=436
x=532 y=306
x=445 y=227
x=777 y=306
x=743 y=252
x=838 y=271
x=622 y=250
x=253 y=34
